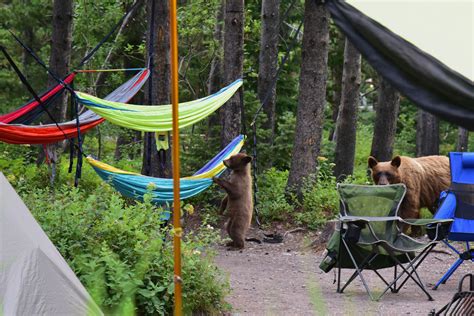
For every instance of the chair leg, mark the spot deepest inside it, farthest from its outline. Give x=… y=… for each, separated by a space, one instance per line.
x=448 y=273
x=363 y=264
x=410 y=275
x=455 y=265
x=339 y=261
x=413 y=267
x=394 y=290
x=418 y=260
x=359 y=272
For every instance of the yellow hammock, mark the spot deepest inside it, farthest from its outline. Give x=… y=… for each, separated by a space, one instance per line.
x=157 y=118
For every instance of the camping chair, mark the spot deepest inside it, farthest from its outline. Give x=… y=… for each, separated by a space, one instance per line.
x=458 y=204
x=370 y=237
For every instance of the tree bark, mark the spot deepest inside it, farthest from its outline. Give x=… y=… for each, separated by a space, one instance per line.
x=386 y=114
x=427 y=134
x=158 y=87
x=335 y=61
x=346 y=126
x=268 y=61
x=463 y=139
x=312 y=94
x=233 y=67
x=216 y=74
x=60 y=58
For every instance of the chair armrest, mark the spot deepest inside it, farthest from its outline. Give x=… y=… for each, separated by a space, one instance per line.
x=426 y=221
x=368 y=219
x=447 y=207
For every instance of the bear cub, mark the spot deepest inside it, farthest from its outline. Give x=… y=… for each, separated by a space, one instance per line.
x=238 y=201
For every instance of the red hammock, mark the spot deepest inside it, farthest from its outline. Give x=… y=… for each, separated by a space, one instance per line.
x=51 y=133
x=30 y=106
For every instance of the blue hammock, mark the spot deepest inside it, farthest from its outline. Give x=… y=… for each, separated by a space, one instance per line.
x=135 y=186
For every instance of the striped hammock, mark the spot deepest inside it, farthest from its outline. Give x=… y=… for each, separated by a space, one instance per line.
x=134 y=185
x=51 y=133
x=157 y=118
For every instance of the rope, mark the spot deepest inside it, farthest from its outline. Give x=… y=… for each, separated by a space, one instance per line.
x=106 y=38
x=108 y=70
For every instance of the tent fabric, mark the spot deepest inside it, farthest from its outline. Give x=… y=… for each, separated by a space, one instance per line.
x=34 y=277
x=29 y=111
x=420 y=77
x=134 y=185
x=50 y=133
x=157 y=118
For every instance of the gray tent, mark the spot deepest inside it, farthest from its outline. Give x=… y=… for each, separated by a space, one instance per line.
x=34 y=277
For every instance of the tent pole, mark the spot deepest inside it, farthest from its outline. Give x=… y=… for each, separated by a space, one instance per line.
x=175 y=159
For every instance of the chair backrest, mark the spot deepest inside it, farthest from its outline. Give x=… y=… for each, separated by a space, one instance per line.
x=462 y=167
x=372 y=201
x=462 y=185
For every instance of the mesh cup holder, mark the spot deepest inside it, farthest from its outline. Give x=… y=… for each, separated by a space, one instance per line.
x=443 y=231
x=352 y=232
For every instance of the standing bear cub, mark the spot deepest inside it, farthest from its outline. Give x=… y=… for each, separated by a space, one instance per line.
x=424 y=177
x=238 y=201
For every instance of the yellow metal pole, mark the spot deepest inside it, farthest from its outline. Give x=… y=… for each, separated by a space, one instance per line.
x=178 y=303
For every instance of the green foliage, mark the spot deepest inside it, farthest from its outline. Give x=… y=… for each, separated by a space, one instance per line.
x=123 y=253
x=272 y=203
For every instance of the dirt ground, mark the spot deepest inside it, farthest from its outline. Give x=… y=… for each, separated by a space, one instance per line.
x=284 y=279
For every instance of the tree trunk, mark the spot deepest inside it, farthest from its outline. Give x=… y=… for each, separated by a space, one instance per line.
x=215 y=74
x=463 y=139
x=132 y=35
x=268 y=61
x=346 y=126
x=386 y=114
x=312 y=94
x=233 y=67
x=158 y=87
x=60 y=58
x=336 y=61
x=427 y=134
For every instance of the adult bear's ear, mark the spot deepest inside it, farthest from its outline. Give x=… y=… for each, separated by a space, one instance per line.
x=372 y=162
x=396 y=161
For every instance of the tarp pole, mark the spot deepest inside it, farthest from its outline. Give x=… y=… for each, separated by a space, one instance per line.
x=175 y=159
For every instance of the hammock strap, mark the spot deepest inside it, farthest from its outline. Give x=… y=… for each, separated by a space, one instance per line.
x=30 y=88
x=41 y=62
x=147 y=169
x=106 y=38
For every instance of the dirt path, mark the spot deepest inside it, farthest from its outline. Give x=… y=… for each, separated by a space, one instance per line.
x=283 y=279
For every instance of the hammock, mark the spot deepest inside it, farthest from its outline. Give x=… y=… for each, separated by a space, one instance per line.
x=157 y=118
x=50 y=133
x=29 y=111
x=134 y=185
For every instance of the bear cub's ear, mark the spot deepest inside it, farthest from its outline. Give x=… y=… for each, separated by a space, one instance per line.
x=396 y=161
x=372 y=162
x=246 y=160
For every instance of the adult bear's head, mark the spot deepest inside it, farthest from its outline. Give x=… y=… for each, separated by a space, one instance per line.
x=385 y=172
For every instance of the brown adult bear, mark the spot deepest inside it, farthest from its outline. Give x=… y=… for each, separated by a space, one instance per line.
x=238 y=201
x=424 y=177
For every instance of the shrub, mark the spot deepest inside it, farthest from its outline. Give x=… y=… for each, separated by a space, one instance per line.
x=123 y=253
x=272 y=203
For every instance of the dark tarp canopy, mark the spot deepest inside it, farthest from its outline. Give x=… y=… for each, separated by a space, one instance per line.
x=423 y=79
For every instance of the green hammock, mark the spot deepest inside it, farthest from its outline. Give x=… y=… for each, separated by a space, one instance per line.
x=157 y=118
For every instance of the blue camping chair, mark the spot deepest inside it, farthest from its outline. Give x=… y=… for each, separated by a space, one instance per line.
x=458 y=204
